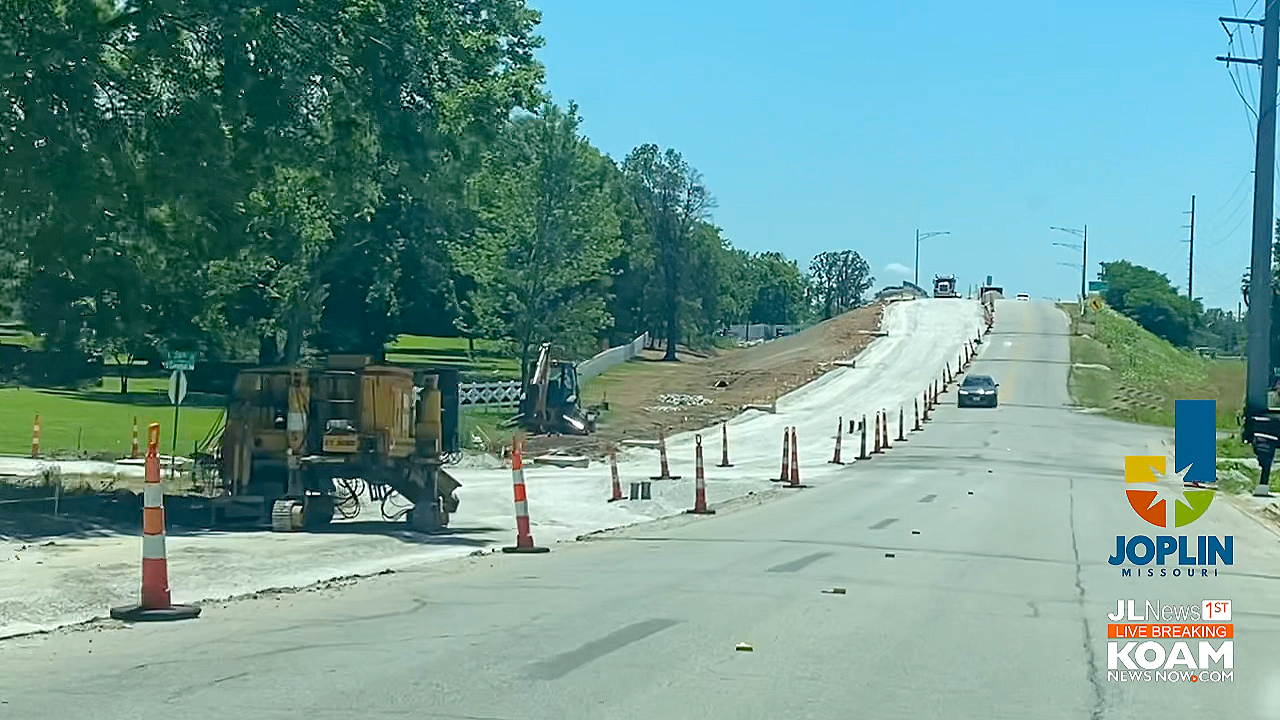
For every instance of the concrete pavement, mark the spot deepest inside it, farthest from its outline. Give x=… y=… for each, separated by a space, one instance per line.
x=995 y=609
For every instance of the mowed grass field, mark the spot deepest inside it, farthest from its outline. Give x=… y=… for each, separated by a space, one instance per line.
x=1132 y=375
x=491 y=360
x=98 y=422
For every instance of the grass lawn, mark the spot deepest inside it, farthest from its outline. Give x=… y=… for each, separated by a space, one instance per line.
x=489 y=361
x=482 y=427
x=98 y=422
x=1134 y=375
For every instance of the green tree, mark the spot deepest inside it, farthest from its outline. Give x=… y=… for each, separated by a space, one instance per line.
x=672 y=200
x=545 y=236
x=839 y=279
x=1150 y=299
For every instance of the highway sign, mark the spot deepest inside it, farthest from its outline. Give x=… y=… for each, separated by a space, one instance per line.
x=180 y=361
x=1097 y=286
x=1095 y=304
x=177 y=387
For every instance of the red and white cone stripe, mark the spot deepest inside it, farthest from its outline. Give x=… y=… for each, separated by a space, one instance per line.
x=835 y=458
x=795 y=461
x=155 y=601
x=700 y=483
x=786 y=440
x=724 y=445
x=133 y=449
x=613 y=474
x=155 y=563
x=35 y=437
x=524 y=537
x=662 y=456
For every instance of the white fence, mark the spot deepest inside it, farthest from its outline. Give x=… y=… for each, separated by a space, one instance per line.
x=612 y=357
x=509 y=392
x=496 y=392
x=759 y=331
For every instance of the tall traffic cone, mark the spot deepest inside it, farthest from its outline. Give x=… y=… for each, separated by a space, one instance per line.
x=884 y=430
x=786 y=440
x=133 y=450
x=902 y=425
x=875 y=449
x=915 y=409
x=795 y=463
x=35 y=437
x=699 y=484
x=613 y=475
x=524 y=538
x=835 y=459
x=155 y=603
x=724 y=446
x=924 y=414
x=862 y=454
x=662 y=456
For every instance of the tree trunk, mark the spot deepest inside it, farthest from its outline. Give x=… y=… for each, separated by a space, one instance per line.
x=268 y=352
x=673 y=333
x=124 y=375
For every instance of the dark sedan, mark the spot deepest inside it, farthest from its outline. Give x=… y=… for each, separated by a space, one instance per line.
x=978 y=391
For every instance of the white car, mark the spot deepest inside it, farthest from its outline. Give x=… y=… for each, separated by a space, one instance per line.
x=1023 y=296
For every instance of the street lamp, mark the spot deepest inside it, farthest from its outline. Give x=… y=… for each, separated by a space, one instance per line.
x=924 y=236
x=1084 y=254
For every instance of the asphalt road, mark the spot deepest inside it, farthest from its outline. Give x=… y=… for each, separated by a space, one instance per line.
x=995 y=609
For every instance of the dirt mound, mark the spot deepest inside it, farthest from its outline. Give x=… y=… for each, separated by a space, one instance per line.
x=698 y=391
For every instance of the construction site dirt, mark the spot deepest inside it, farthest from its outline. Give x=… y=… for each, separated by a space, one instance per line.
x=697 y=390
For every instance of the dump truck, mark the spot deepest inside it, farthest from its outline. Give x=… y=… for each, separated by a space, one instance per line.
x=295 y=434
x=944 y=286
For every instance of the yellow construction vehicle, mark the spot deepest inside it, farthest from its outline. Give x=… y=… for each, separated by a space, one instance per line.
x=295 y=435
x=552 y=400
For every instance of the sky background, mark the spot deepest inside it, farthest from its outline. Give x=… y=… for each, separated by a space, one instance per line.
x=832 y=125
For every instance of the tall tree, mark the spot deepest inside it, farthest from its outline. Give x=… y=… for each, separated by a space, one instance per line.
x=840 y=279
x=545 y=236
x=672 y=199
x=1150 y=299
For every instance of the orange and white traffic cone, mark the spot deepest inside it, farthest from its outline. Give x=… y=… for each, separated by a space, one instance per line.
x=915 y=409
x=862 y=453
x=884 y=430
x=613 y=475
x=876 y=448
x=835 y=459
x=35 y=437
x=524 y=537
x=133 y=450
x=662 y=458
x=699 y=483
x=902 y=424
x=724 y=446
x=795 y=463
x=155 y=603
x=786 y=439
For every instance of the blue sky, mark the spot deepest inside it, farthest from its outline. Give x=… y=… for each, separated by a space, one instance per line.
x=830 y=125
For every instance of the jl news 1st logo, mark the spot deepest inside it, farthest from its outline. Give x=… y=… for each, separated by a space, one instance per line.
x=1157 y=642
x=1166 y=501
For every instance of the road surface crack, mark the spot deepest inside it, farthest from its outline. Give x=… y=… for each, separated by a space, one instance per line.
x=1091 y=659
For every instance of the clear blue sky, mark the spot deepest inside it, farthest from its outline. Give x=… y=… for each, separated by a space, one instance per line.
x=833 y=124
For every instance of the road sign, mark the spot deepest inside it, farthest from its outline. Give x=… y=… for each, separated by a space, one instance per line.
x=1095 y=303
x=180 y=361
x=177 y=387
x=1097 y=286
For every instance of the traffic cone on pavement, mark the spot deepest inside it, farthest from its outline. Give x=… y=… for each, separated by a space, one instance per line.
x=700 y=484
x=662 y=457
x=133 y=448
x=724 y=446
x=835 y=459
x=875 y=449
x=862 y=454
x=35 y=437
x=613 y=475
x=915 y=409
x=795 y=463
x=155 y=603
x=786 y=440
x=902 y=425
x=524 y=537
x=884 y=430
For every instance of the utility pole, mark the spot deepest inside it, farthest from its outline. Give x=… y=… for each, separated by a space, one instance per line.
x=1191 y=251
x=1261 y=427
x=920 y=237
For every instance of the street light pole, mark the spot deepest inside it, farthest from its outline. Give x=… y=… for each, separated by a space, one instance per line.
x=924 y=236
